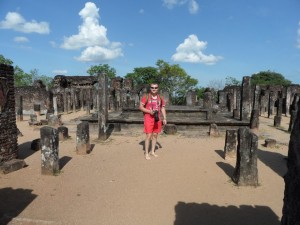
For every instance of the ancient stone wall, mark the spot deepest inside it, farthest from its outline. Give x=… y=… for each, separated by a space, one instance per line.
x=8 y=134
x=32 y=96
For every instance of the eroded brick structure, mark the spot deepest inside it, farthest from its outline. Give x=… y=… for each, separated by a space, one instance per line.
x=8 y=134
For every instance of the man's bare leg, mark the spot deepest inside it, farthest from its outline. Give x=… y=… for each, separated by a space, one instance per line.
x=154 y=140
x=147 y=142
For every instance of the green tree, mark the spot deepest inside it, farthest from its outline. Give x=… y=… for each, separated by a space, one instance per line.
x=269 y=78
x=143 y=75
x=22 y=78
x=229 y=81
x=5 y=61
x=102 y=68
x=48 y=81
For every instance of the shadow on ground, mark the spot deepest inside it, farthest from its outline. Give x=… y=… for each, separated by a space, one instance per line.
x=13 y=202
x=206 y=214
x=24 y=150
x=275 y=161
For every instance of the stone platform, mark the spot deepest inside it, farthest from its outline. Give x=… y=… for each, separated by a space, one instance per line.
x=184 y=117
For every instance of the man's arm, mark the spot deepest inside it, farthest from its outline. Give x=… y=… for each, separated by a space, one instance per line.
x=144 y=110
x=164 y=113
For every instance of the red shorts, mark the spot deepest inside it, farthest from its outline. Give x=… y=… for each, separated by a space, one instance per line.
x=150 y=126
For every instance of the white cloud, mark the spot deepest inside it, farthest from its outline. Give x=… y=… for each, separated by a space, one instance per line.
x=192 y=4
x=92 y=36
x=16 y=22
x=59 y=72
x=191 y=51
x=141 y=11
x=298 y=37
x=21 y=39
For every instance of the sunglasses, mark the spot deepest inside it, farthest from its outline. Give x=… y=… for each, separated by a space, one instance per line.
x=154 y=87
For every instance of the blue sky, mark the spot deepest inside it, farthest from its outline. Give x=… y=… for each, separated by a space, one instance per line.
x=209 y=39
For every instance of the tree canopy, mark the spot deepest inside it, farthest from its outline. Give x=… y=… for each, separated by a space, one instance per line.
x=102 y=68
x=171 y=78
x=269 y=78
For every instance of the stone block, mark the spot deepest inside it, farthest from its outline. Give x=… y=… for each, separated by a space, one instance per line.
x=213 y=130
x=170 y=129
x=12 y=165
x=230 y=144
x=36 y=145
x=63 y=133
x=83 y=138
x=270 y=143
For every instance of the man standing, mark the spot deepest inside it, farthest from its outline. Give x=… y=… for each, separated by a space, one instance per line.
x=152 y=105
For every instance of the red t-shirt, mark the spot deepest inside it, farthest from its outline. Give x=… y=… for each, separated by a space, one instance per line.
x=154 y=103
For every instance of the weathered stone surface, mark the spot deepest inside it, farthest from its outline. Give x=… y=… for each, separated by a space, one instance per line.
x=245 y=109
x=207 y=99
x=102 y=107
x=246 y=173
x=291 y=206
x=49 y=151
x=170 y=129
x=213 y=130
x=83 y=138
x=270 y=143
x=277 y=121
x=230 y=144
x=12 y=165
x=8 y=127
x=53 y=121
x=63 y=133
x=254 y=120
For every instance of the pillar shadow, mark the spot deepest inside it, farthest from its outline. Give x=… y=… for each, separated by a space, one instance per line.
x=206 y=214
x=276 y=161
x=63 y=161
x=24 y=150
x=13 y=202
x=220 y=153
x=228 y=169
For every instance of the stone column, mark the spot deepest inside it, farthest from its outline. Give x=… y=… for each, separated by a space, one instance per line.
x=55 y=105
x=50 y=149
x=207 y=99
x=257 y=93
x=254 y=120
x=293 y=112
x=65 y=99
x=73 y=99
x=277 y=118
x=245 y=99
x=63 y=133
x=37 y=109
x=81 y=99
x=20 y=109
x=291 y=209
x=88 y=102
x=83 y=138
x=272 y=98
x=245 y=173
x=230 y=102
x=230 y=144
x=102 y=107
x=288 y=100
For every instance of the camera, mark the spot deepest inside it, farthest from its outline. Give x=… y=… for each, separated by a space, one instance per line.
x=156 y=118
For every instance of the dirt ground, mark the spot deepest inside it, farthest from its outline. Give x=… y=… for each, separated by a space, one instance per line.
x=188 y=184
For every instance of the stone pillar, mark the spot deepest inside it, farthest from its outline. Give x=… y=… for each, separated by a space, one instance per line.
x=102 y=107
x=230 y=102
x=230 y=144
x=291 y=209
x=55 y=105
x=288 y=100
x=37 y=109
x=53 y=121
x=237 y=110
x=277 y=118
x=20 y=109
x=245 y=173
x=222 y=99
x=257 y=93
x=207 y=99
x=65 y=99
x=88 y=102
x=293 y=112
x=83 y=138
x=213 y=130
x=254 y=120
x=50 y=149
x=166 y=97
x=271 y=103
x=81 y=99
x=8 y=127
x=73 y=90
x=245 y=99
x=191 y=98
x=63 y=133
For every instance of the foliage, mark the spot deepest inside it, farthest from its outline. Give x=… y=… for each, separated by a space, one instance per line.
x=231 y=81
x=22 y=78
x=269 y=78
x=143 y=75
x=171 y=78
x=48 y=81
x=102 y=68
x=5 y=61
x=200 y=91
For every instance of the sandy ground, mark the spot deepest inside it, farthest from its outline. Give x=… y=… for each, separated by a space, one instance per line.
x=189 y=183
